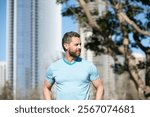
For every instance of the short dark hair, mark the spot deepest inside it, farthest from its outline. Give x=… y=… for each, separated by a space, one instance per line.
x=67 y=38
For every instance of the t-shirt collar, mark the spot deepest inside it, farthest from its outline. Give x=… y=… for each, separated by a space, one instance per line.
x=70 y=63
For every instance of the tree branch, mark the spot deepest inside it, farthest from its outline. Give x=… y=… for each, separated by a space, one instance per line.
x=138 y=42
x=129 y=21
x=92 y=22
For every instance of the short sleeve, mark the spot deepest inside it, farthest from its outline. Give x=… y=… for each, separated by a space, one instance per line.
x=94 y=74
x=49 y=76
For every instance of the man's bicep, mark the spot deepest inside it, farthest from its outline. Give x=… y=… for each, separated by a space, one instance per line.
x=98 y=82
x=47 y=84
x=47 y=89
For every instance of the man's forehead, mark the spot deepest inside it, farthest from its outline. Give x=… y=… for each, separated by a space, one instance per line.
x=75 y=39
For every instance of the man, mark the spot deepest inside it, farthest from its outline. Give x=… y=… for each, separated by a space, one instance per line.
x=71 y=74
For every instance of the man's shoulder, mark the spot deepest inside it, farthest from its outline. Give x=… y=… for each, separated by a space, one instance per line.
x=86 y=62
x=56 y=63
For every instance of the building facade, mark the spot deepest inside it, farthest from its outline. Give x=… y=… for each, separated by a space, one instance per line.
x=33 y=35
x=2 y=75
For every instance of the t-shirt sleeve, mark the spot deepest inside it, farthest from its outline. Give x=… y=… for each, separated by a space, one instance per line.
x=94 y=74
x=49 y=76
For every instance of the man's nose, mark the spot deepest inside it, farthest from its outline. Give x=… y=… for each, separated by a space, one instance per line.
x=79 y=46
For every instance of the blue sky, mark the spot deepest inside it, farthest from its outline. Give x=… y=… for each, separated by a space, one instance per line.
x=67 y=25
x=2 y=30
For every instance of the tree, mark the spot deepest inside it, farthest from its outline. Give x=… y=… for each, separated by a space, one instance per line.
x=123 y=17
x=6 y=93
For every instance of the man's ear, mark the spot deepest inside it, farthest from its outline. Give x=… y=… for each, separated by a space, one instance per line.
x=66 y=46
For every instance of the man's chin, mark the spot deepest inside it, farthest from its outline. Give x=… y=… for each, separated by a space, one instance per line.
x=75 y=55
x=78 y=54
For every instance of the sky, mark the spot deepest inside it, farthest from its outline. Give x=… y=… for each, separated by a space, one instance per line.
x=68 y=24
x=2 y=30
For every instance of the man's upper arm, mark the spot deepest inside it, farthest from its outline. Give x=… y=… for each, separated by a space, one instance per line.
x=47 y=84
x=98 y=82
x=94 y=74
x=47 y=89
x=49 y=76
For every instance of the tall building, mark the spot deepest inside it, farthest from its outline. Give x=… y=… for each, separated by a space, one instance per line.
x=33 y=36
x=2 y=75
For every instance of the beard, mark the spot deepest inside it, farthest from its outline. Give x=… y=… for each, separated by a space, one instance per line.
x=75 y=54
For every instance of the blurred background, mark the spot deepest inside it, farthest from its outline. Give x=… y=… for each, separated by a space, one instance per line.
x=115 y=36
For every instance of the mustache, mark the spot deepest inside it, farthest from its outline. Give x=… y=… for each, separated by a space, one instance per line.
x=79 y=50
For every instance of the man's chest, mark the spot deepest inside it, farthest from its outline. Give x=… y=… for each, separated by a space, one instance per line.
x=71 y=75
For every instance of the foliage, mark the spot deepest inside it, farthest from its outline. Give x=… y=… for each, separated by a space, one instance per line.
x=121 y=26
x=7 y=93
x=101 y=39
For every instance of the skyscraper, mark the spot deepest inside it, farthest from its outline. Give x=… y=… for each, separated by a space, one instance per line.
x=33 y=36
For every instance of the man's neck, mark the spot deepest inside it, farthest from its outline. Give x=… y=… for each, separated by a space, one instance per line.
x=70 y=58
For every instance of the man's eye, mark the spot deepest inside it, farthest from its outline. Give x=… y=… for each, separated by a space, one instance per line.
x=78 y=44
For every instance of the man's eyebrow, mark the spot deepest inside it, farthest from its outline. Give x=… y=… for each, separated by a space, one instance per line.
x=78 y=43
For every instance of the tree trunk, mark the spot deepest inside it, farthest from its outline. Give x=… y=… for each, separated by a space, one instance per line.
x=147 y=76
x=148 y=67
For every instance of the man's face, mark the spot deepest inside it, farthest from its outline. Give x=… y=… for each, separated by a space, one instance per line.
x=74 y=47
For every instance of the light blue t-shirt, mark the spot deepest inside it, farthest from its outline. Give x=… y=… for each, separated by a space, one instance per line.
x=72 y=79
